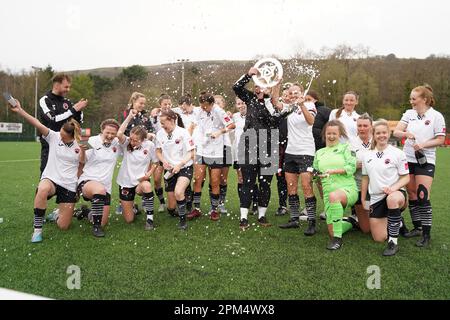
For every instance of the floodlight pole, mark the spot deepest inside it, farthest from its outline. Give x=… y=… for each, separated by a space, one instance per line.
x=36 y=70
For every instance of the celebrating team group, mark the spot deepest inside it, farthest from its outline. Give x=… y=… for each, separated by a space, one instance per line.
x=280 y=132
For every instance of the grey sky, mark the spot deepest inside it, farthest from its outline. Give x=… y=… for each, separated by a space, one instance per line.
x=98 y=33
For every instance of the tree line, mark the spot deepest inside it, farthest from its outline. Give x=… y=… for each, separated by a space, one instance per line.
x=383 y=82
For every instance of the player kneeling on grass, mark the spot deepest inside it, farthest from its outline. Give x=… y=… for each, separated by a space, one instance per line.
x=98 y=163
x=385 y=173
x=60 y=174
x=335 y=165
x=175 y=149
x=136 y=171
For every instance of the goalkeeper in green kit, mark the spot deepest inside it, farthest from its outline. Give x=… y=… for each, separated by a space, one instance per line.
x=335 y=165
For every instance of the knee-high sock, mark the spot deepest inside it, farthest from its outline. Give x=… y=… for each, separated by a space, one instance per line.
x=148 y=204
x=311 y=204
x=223 y=193
x=39 y=215
x=282 y=189
x=98 y=202
x=339 y=227
x=426 y=216
x=294 y=206
x=188 y=197
x=182 y=209
x=214 y=201
x=160 y=194
x=414 y=211
x=197 y=198
x=394 y=223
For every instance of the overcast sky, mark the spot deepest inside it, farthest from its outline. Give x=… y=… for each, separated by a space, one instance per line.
x=88 y=34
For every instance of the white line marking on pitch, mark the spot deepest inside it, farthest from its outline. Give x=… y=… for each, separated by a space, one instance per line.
x=25 y=160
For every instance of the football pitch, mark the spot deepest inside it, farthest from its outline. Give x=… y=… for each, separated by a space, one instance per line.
x=212 y=260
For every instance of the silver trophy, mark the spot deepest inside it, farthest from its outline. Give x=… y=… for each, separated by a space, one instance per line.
x=270 y=72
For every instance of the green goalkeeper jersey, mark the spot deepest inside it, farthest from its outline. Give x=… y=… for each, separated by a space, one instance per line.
x=339 y=156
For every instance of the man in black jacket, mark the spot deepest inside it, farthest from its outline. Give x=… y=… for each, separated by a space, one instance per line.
x=259 y=142
x=55 y=110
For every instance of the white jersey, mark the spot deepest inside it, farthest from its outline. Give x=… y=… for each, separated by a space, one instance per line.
x=63 y=161
x=430 y=125
x=188 y=118
x=300 y=136
x=100 y=162
x=135 y=163
x=239 y=121
x=384 y=169
x=360 y=148
x=349 y=122
x=208 y=123
x=175 y=146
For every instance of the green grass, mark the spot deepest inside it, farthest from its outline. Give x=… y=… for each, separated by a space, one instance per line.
x=213 y=260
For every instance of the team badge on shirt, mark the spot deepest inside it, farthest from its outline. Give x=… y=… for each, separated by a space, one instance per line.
x=145 y=151
x=114 y=149
x=427 y=123
x=77 y=150
x=177 y=141
x=387 y=161
x=65 y=106
x=191 y=142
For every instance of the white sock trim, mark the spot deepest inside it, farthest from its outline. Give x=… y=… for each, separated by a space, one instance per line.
x=261 y=212
x=244 y=213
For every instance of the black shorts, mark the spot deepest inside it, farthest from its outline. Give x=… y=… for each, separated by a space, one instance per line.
x=380 y=209
x=227 y=157
x=170 y=184
x=213 y=163
x=359 y=198
x=127 y=194
x=418 y=170
x=297 y=163
x=63 y=195
x=80 y=191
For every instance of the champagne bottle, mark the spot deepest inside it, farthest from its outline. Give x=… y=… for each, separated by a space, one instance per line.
x=421 y=158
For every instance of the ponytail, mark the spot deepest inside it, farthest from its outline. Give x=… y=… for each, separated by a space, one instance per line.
x=72 y=127
x=172 y=115
x=339 y=112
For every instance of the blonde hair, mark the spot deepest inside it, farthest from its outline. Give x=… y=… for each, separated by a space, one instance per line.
x=73 y=128
x=376 y=124
x=426 y=92
x=134 y=97
x=218 y=97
